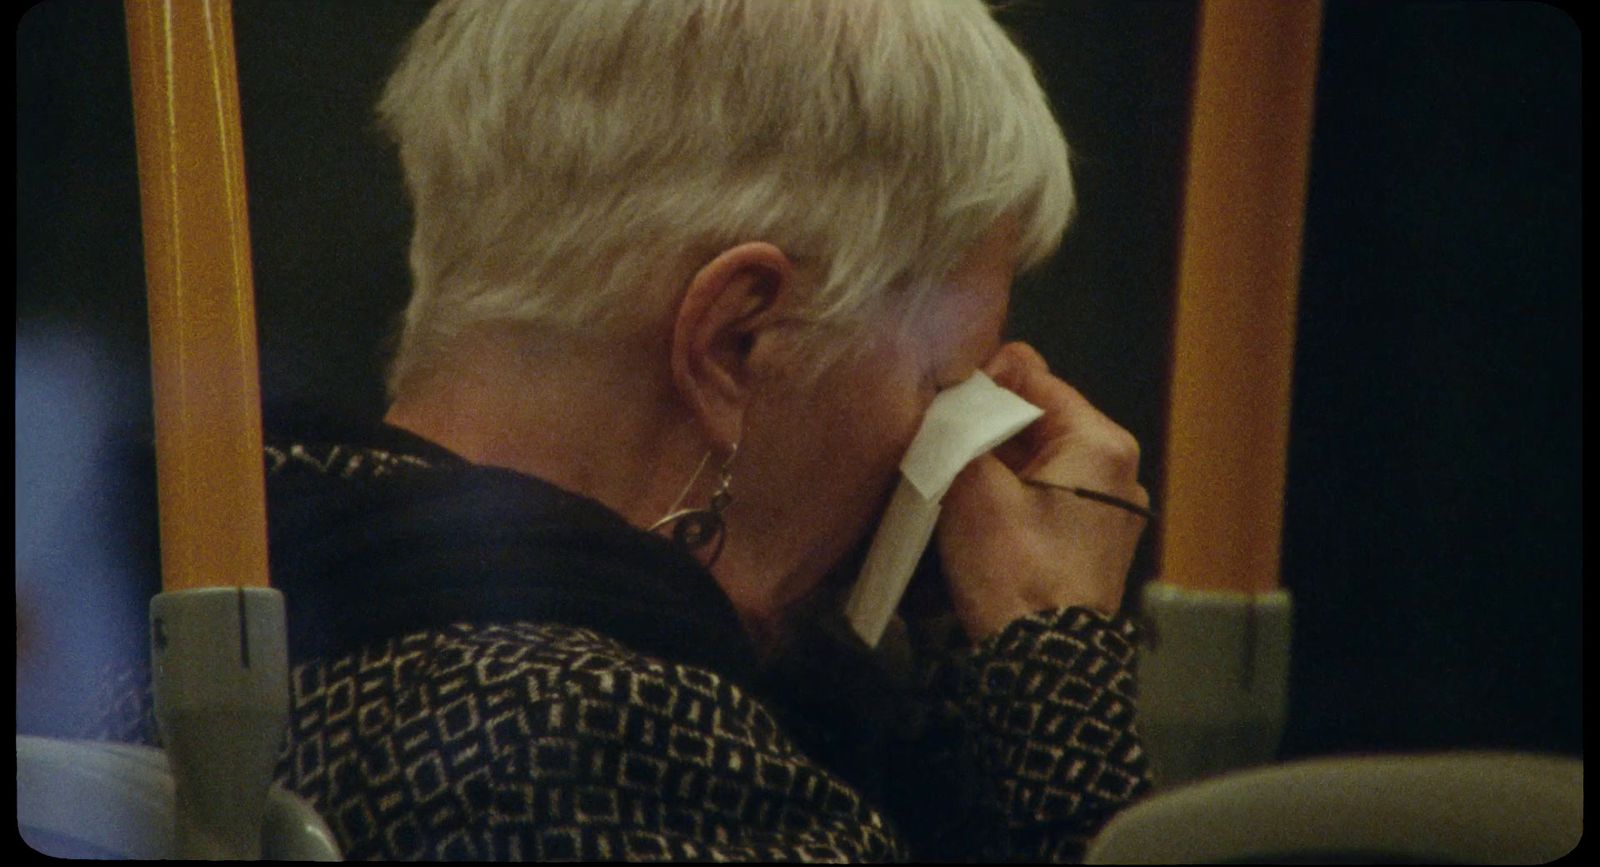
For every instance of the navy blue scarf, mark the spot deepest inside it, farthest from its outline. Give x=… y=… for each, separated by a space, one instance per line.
x=362 y=554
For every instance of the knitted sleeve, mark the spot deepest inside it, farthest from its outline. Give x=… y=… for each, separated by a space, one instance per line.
x=1026 y=744
x=1050 y=704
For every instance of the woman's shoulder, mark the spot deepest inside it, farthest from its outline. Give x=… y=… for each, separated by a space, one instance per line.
x=541 y=665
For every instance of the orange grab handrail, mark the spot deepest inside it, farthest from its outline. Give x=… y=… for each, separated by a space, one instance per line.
x=1244 y=207
x=202 y=316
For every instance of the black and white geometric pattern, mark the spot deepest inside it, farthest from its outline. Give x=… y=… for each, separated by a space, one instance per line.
x=1055 y=729
x=342 y=461
x=529 y=740
x=539 y=741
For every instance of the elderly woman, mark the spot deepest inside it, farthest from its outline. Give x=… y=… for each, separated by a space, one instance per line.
x=705 y=261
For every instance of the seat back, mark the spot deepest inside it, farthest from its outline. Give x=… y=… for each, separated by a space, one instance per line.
x=96 y=799
x=1455 y=808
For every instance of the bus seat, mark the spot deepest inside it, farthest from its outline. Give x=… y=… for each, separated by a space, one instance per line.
x=1440 y=808
x=98 y=799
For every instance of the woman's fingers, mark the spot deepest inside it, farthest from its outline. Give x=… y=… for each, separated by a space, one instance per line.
x=1070 y=432
x=1010 y=548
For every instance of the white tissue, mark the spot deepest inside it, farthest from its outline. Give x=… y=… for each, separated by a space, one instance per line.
x=962 y=423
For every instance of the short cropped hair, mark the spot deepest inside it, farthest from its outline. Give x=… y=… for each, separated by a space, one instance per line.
x=557 y=154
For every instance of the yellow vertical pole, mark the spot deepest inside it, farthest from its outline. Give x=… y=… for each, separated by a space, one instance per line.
x=202 y=315
x=1228 y=430
x=1215 y=673
x=218 y=639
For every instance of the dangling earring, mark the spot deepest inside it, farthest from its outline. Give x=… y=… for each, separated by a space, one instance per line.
x=698 y=528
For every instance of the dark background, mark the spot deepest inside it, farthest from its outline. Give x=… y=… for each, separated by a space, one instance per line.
x=1433 y=520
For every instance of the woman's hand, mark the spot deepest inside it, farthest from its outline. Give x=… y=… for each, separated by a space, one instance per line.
x=1011 y=549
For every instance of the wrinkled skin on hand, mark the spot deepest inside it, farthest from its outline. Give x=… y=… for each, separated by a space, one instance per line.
x=1010 y=548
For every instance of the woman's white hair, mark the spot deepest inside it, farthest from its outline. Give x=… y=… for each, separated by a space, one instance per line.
x=563 y=157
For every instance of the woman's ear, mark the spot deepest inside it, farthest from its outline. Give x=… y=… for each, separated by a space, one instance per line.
x=729 y=306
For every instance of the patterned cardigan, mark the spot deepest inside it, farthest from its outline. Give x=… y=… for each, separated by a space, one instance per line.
x=485 y=667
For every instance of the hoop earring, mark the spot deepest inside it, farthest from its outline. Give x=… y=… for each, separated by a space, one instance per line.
x=697 y=528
